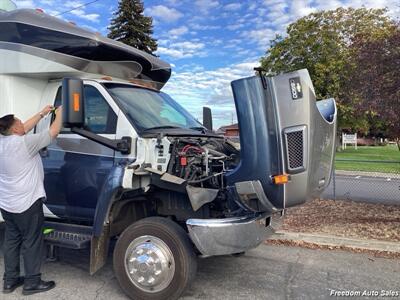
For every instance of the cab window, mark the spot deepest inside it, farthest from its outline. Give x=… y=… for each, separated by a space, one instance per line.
x=99 y=116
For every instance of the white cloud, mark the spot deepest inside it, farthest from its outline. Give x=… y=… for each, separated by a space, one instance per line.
x=192 y=67
x=173 y=2
x=52 y=7
x=72 y=4
x=243 y=53
x=163 y=42
x=233 y=6
x=52 y=12
x=164 y=13
x=206 y=5
x=216 y=42
x=195 y=88
x=253 y=6
x=182 y=49
x=178 y=31
x=47 y=2
x=25 y=4
x=235 y=26
x=280 y=13
x=233 y=43
x=204 y=27
x=170 y=52
x=189 y=45
x=262 y=37
x=84 y=15
x=301 y=8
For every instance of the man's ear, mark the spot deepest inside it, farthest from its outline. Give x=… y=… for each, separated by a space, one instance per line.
x=12 y=129
x=15 y=130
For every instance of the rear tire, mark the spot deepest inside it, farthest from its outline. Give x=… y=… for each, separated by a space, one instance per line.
x=154 y=259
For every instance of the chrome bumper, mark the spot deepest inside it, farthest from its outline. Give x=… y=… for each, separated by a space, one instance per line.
x=230 y=235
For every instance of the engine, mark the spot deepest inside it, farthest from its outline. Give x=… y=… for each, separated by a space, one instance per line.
x=202 y=162
x=184 y=178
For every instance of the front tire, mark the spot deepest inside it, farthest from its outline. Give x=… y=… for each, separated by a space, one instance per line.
x=154 y=259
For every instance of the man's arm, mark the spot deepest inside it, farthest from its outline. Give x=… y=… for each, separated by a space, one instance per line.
x=35 y=142
x=57 y=124
x=28 y=125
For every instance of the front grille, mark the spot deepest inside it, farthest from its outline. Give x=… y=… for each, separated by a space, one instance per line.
x=295 y=148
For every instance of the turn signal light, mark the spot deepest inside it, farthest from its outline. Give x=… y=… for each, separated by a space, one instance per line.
x=76 y=99
x=280 y=179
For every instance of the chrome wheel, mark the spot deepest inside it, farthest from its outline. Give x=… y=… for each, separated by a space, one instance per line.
x=149 y=263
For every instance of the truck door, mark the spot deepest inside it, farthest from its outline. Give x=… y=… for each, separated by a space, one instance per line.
x=75 y=167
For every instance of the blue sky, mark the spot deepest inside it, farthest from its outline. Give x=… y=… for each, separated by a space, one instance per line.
x=209 y=43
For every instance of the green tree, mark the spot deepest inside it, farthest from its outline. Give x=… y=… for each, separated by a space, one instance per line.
x=321 y=43
x=131 y=27
x=375 y=79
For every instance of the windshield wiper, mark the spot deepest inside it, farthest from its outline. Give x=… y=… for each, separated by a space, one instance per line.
x=161 y=127
x=200 y=128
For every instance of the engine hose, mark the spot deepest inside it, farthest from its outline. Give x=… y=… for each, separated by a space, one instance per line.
x=216 y=158
x=188 y=147
x=216 y=153
x=192 y=176
x=187 y=172
x=205 y=178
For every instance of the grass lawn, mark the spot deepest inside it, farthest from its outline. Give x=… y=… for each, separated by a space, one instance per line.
x=371 y=158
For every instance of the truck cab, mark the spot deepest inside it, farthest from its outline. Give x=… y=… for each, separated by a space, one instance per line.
x=134 y=168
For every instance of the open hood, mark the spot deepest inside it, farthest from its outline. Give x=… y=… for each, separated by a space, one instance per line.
x=283 y=130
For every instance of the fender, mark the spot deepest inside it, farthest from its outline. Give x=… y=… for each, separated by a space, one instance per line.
x=101 y=238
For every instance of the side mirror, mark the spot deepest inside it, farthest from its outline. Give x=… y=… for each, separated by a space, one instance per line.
x=207 y=118
x=72 y=102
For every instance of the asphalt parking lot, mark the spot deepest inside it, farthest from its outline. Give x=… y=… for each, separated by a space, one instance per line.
x=268 y=272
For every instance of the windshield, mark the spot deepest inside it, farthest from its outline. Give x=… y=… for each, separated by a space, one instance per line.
x=149 y=109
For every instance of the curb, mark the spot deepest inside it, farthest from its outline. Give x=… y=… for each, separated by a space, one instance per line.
x=337 y=241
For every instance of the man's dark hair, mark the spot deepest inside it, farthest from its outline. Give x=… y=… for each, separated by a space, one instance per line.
x=5 y=124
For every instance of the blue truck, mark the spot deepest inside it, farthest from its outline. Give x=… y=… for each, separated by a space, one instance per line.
x=133 y=171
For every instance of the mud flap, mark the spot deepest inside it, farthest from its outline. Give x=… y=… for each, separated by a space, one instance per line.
x=99 y=250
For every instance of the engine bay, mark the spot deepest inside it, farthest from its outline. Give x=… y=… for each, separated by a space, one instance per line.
x=202 y=162
x=174 y=169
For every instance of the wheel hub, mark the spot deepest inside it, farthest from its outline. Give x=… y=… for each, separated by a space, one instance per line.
x=149 y=263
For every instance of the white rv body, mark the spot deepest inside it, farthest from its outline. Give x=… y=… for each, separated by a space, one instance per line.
x=21 y=96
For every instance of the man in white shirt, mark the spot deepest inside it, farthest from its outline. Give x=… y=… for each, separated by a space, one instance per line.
x=22 y=193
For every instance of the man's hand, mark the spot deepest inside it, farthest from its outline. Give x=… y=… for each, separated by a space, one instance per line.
x=46 y=110
x=31 y=123
x=58 y=110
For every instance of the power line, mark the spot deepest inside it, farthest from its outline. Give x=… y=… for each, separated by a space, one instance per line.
x=83 y=5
